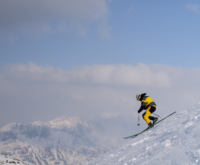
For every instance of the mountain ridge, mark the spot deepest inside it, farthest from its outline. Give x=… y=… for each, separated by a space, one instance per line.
x=64 y=121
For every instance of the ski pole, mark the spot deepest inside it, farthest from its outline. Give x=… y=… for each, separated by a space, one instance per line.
x=138 y=119
x=156 y=115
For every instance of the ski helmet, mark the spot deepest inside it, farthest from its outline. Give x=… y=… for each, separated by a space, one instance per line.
x=138 y=96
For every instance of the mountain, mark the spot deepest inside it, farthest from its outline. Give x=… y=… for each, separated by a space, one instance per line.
x=9 y=161
x=63 y=141
x=174 y=141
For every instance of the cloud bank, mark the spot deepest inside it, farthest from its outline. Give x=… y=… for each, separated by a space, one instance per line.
x=29 y=92
x=112 y=75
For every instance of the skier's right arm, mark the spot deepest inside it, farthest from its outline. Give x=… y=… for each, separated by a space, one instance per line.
x=143 y=104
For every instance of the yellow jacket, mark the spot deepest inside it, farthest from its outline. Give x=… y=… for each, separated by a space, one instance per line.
x=146 y=102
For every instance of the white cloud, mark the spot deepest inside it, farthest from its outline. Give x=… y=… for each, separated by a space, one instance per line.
x=193 y=7
x=117 y=75
x=37 y=13
x=44 y=93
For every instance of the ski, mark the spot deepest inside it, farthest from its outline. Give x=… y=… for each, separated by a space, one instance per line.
x=132 y=136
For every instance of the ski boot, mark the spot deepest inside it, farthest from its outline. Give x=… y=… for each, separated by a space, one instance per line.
x=150 y=126
x=155 y=120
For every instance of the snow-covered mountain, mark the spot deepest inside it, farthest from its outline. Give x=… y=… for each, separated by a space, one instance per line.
x=174 y=141
x=9 y=161
x=63 y=141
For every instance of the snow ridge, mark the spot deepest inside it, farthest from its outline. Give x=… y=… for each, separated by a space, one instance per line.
x=59 y=123
x=68 y=122
x=174 y=141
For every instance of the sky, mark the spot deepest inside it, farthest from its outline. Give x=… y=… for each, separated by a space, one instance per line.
x=90 y=58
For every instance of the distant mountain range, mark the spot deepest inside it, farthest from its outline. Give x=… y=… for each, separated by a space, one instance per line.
x=63 y=141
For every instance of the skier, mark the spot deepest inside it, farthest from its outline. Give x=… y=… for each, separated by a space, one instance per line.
x=149 y=105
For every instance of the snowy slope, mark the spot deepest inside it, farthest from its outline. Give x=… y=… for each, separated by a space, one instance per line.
x=175 y=141
x=5 y=161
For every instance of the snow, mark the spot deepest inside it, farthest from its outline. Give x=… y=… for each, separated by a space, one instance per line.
x=38 y=123
x=8 y=127
x=174 y=141
x=68 y=122
x=59 y=123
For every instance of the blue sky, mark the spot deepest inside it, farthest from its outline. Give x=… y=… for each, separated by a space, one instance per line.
x=90 y=58
x=139 y=32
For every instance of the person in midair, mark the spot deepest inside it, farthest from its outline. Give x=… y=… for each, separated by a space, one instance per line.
x=149 y=105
